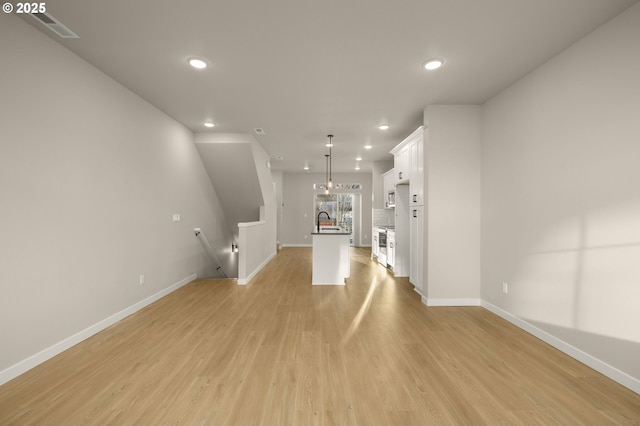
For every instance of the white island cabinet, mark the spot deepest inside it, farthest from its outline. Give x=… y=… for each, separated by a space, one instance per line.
x=330 y=256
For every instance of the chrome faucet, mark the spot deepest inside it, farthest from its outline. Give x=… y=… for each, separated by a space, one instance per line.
x=328 y=217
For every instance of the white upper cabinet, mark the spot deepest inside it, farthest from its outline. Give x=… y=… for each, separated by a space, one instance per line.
x=389 y=187
x=409 y=164
x=402 y=165
x=416 y=180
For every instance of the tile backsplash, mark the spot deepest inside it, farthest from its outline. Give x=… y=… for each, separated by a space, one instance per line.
x=384 y=217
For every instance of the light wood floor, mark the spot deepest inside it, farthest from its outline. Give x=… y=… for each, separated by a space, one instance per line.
x=280 y=351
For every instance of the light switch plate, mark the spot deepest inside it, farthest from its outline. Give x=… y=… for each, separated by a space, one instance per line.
x=176 y=217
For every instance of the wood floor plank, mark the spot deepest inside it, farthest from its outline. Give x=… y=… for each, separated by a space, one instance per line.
x=280 y=351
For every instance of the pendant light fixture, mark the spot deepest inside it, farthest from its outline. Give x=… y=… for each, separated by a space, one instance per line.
x=326 y=174
x=330 y=144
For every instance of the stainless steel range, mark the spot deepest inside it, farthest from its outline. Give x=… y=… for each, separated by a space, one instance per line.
x=382 y=246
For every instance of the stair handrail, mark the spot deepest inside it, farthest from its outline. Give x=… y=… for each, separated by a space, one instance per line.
x=205 y=242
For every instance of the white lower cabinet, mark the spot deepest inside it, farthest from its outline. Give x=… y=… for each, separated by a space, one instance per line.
x=402 y=233
x=391 y=249
x=374 y=243
x=416 y=248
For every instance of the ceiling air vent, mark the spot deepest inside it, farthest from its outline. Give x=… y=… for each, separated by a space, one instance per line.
x=54 y=25
x=259 y=131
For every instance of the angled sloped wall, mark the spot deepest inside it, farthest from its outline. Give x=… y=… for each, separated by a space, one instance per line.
x=238 y=168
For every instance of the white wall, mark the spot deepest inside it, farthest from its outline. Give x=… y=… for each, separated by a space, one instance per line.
x=377 y=185
x=452 y=204
x=561 y=196
x=90 y=175
x=276 y=175
x=298 y=210
x=268 y=213
x=229 y=159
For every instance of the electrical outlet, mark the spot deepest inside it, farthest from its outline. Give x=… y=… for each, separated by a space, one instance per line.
x=505 y=288
x=176 y=217
x=141 y=279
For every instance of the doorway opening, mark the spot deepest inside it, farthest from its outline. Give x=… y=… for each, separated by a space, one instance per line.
x=344 y=211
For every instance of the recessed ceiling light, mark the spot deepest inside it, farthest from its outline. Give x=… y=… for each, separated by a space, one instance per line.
x=368 y=147
x=209 y=124
x=306 y=167
x=197 y=63
x=357 y=167
x=433 y=64
x=383 y=126
x=329 y=145
x=358 y=158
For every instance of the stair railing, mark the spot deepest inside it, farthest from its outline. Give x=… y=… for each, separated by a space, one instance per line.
x=205 y=242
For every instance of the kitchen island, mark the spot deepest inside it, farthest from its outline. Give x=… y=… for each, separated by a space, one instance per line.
x=330 y=256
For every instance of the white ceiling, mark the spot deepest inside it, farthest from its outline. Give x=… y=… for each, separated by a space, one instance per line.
x=302 y=69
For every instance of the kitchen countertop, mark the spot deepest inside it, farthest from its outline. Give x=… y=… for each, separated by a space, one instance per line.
x=330 y=230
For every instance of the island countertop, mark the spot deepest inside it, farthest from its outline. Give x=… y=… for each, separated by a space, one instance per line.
x=330 y=230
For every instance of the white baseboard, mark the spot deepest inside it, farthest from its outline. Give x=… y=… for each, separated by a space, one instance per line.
x=245 y=281
x=311 y=245
x=46 y=354
x=593 y=362
x=450 y=302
